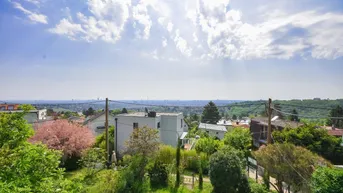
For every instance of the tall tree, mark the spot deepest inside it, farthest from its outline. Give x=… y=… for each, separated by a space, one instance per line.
x=210 y=114
x=289 y=163
x=234 y=117
x=90 y=111
x=336 y=112
x=239 y=138
x=294 y=116
x=124 y=110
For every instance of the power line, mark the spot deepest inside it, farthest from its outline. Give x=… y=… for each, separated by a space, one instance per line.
x=301 y=106
x=306 y=116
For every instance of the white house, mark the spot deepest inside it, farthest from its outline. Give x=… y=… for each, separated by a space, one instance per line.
x=213 y=130
x=32 y=116
x=170 y=126
x=97 y=122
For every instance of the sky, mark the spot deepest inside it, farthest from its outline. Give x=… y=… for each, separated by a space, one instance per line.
x=171 y=49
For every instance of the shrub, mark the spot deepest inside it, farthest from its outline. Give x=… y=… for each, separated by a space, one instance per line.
x=158 y=175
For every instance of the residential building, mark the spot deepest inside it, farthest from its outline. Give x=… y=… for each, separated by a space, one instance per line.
x=32 y=116
x=8 y=107
x=171 y=126
x=97 y=122
x=213 y=130
x=259 y=128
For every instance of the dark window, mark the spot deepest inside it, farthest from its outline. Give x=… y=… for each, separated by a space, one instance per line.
x=217 y=133
x=3 y=108
x=158 y=125
x=181 y=123
x=101 y=127
x=135 y=125
x=10 y=107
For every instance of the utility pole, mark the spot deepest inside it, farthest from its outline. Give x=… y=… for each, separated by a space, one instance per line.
x=269 y=132
x=107 y=142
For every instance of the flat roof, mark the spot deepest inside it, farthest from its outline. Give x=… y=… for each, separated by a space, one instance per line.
x=212 y=127
x=142 y=114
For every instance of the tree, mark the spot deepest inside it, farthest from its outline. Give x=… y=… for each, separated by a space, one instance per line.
x=226 y=171
x=294 y=116
x=208 y=145
x=124 y=110
x=234 y=117
x=314 y=139
x=68 y=137
x=336 y=112
x=239 y=138
x=49 y=112
x=327 y=180
x=158 y=175
x=100 y=140
x=210 y=114
x=88 y=112
x=289 y=163
x=26 y=167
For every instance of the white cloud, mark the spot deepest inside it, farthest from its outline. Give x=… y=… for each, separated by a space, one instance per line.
x=211 y=29
x=33 y=16
x=35 y=2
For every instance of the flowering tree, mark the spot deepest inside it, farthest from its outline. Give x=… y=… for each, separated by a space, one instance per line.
x=62 y=135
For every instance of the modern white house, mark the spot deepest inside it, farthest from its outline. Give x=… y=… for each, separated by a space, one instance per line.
x=97 y=122
x=32 y=116
x=170 y=126
x=213 y=130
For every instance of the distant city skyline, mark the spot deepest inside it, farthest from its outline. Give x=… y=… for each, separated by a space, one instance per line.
x=171 y=50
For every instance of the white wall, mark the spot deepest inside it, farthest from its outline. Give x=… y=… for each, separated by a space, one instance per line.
x=125 y=127
x=171 y=128
x=219 y=134
x=100 y=122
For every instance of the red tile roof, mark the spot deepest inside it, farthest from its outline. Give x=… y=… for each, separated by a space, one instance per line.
x=336 y=132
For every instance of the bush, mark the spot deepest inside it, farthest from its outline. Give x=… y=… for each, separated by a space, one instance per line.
x=327 y=180
x=158 y=175
x=256 y=187
x=226 y=171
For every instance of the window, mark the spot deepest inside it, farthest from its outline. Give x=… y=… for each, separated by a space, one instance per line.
x=181 y=123
x=2 y=108
x=135 y=125
x=217 y=133
x=10 y=107
x=158 y=125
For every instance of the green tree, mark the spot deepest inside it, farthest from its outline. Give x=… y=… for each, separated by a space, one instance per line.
x=336 y=112
x=124 y=110
x=90 y=111
x=234 y=117
x=313 y=139
x=226 y=171
x=100 y=140
x=158 y=175
x=239 y=138
x=327 y=180
x=294 y=116
x=208 y=145
x=178 y=158
x=210 y=114
x=289 y=163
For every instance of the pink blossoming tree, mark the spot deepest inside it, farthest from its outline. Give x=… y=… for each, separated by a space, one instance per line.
x=62 y=135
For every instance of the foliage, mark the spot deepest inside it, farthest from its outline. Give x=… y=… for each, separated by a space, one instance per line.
x=289 y=163
x=177 y=166
x=14 y=130
x=90 y=111
x=116 y=112
x=210 y=114
x=143 y=141
x=226 y=171
x=208 y=145
x=93 y=159
x=158 y=175
x=234 y=117
x=294 y=116
x=239 y=138
x=68 y=114
x=124 y=110
x=336 y=112
x=314 y=139
x=256 y=187
x=100 y=140
x=62 y=135
x=327 y=180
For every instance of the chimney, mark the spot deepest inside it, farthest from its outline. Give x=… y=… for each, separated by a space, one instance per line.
x=237 y=122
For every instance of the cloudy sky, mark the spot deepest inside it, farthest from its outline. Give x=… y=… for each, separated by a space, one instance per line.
x=171 y=49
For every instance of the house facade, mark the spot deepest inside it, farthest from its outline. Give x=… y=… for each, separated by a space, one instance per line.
x=213 y=130
x=96 y=123
x=32 y=116
x=170 y=126
x=259 y=128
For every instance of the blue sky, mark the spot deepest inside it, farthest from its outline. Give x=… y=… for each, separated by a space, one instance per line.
x=163 y=49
